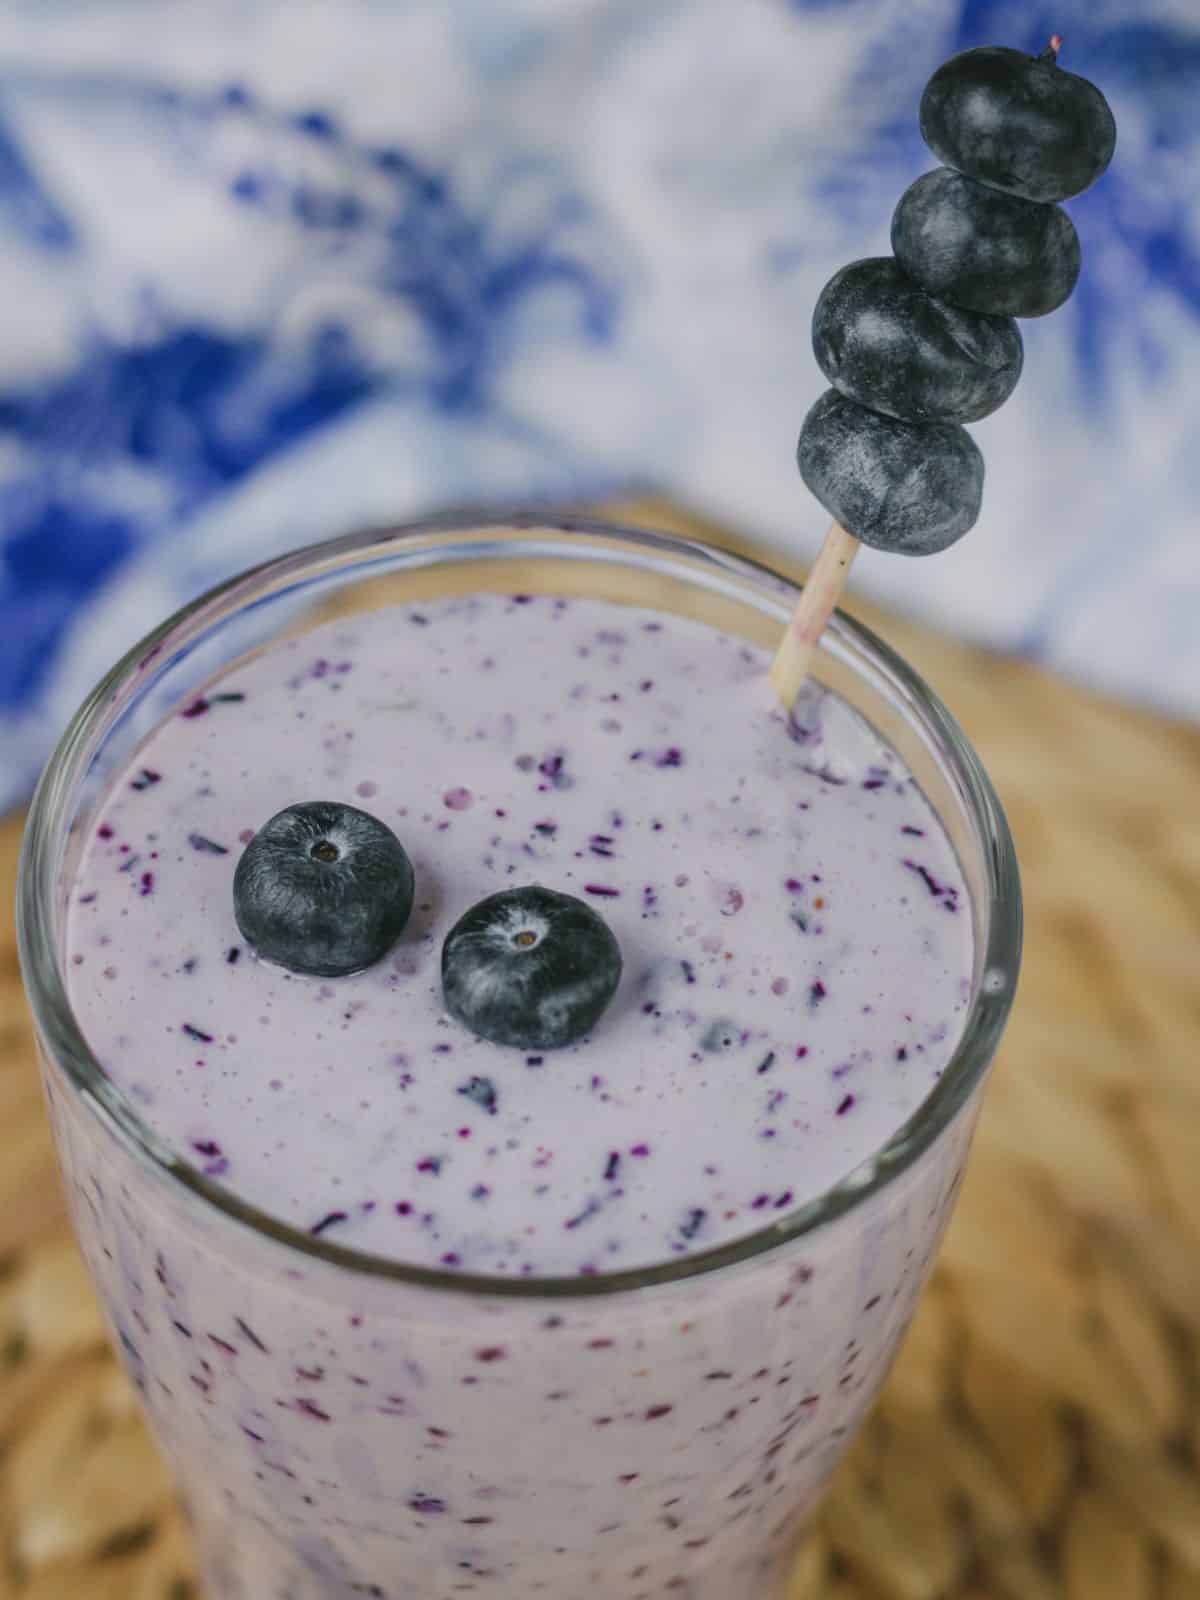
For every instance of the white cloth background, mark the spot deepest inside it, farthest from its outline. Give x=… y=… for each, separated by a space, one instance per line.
x=269 y=270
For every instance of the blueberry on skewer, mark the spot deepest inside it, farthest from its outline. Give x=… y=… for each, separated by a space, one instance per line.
x=918 y=344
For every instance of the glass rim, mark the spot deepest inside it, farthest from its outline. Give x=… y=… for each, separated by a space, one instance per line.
x=60 y=1033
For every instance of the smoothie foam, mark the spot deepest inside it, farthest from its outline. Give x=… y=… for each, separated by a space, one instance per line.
x=796 y=935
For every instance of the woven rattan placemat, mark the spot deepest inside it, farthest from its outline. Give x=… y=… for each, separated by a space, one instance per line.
x=1040 y=1435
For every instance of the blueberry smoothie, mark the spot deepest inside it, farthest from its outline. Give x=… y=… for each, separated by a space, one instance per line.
x=795 y=943
x=788 y=946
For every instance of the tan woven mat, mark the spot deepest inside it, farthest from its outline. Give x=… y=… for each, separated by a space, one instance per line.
x=1040 y=1435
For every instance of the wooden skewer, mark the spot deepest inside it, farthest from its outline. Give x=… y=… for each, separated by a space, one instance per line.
x=816 y=605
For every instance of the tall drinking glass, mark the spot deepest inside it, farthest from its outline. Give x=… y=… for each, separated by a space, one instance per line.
x=663 y=1431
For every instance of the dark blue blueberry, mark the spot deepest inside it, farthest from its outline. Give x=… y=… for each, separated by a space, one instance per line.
x=1018 y=122
x=531 y=968
x=985 y=250
x=881 y=340
x=323 y=888
x=909 y=488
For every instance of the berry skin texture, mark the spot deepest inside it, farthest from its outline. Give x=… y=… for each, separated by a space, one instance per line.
x=1018 y=123
x=323 y=889
x=909 y=488
x=881 y=340
x=985 y=250
x=530 y=968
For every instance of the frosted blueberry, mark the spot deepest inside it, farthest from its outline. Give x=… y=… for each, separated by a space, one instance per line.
x=323 y=889
x=985 y=250
x=530 y=967
x=881 y=340
x=910 y=488
x=1018 y=122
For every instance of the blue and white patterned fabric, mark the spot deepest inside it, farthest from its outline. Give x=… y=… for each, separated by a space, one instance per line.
x=271 y=270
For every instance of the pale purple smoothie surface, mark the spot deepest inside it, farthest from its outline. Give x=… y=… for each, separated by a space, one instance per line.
x=796 y=934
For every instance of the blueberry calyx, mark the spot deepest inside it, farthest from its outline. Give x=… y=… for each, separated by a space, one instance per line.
x=531 y=968
x=1018 y=122
x=323 y=889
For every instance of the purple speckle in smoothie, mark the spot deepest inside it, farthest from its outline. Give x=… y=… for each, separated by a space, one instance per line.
x=193 y=1032
x=580 y=1217
x=946 y=893
x=646 y=685
x=491 y=1353
x=431 y=1164
x=601 y=844
x=672 y=756
x=534 y=1061
x=693 y=1222
x=732 y=901
x=104 y=831
x=207 y=846
x=147 y=883
x=653 y=1413
x=767 y=1062
x=689 y=972
x=233 y=955
x=404 y=1208
x=198 y=708
x=146 y=779
x=914 y=833
x=612 y=1166
x=482 y=1092
x=845 y=1105
x=366 y=789
x=458 y=799
x=248 y=1332
x=825 y=774
x=816 y=993
x=329 y=1220
x=801 y=1051
x=639 y=1150
x=552 y=766
x=428 y=1505
x=603 y=890
x=785 y=1199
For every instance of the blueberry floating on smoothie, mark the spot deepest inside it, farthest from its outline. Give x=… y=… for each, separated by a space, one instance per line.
x=881 y=340
x=1018 y=122
x=983 y=249
x=531 y=968
x=323 y=889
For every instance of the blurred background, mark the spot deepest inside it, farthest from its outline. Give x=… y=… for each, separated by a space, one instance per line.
x=269 y=271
